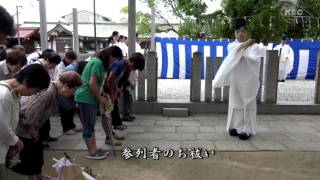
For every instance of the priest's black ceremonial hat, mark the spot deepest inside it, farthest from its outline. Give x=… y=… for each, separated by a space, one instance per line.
x=239 y=23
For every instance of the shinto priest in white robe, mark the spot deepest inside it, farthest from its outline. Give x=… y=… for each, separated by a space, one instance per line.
x=286 y=60
x=240 y=71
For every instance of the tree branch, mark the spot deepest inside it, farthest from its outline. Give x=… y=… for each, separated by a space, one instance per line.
x=175 y=9
x=166 y=21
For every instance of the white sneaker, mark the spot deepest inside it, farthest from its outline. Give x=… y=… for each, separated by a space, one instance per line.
x=70 y=132
x=77 y=129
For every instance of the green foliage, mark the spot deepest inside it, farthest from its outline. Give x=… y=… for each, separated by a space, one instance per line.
x=124 y=10
x=36 y=44
x=190 y=29
x=306 y=27
x=194 y=8
x=218 y=26
x=143 y=23
x=83 y=50
x=266 y=19
x=268 y=22
x=151 y=3
x=190 y=12
x=263 y=17
x=265 y=24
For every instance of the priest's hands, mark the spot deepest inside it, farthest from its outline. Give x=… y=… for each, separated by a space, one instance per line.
x=246 y=44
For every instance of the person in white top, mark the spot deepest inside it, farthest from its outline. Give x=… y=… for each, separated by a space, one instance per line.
x=49 y=61
x=28 y=81
x=33 y=57
x=286 y=59
x=66 y=115
x=123 y=46
x=116 y=35
x=240 y=70
x=113 y=39
x=15 y=60
x=138 y=46
x=69 y=58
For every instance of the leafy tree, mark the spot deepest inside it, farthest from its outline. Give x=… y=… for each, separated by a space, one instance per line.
x=266 y=19
x=190 y=12
x=143 y=21
x=196 y=24
x=263 y=17
x=307 y=26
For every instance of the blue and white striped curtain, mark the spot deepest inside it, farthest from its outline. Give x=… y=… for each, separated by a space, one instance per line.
x=175 y=55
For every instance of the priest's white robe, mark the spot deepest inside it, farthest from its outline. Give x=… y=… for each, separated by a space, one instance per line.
x=240 y=71
x=286 y=60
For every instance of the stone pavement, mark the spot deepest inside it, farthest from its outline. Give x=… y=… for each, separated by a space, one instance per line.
x=274 y=133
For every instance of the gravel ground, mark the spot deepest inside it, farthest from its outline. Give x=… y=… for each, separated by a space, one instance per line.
x=290 y=91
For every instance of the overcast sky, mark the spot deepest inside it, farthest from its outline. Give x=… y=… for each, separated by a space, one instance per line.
x=58 y=8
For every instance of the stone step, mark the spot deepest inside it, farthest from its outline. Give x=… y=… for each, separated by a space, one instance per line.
x=176 y=112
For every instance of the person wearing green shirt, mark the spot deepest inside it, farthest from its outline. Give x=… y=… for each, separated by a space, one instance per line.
x=88 y=96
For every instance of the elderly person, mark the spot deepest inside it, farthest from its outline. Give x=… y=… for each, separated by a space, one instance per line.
x=15 y=60
x=27 y=82
x=35 y=111
x=49 y=60
x=66 y=114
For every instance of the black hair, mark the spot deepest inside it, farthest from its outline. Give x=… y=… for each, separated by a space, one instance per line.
x=115 y=33
x=35 y=76
x=116 y=52
x=51 y=56
x=238 y=23
x=138 y=60
x=109 y=41
x=54 y=58
x=284 y=38
x=6 y=22
x=70 y=54
x=46 y=53
x=81 y=66
x=3 y=54
x=105 y=54
x=121 y=37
